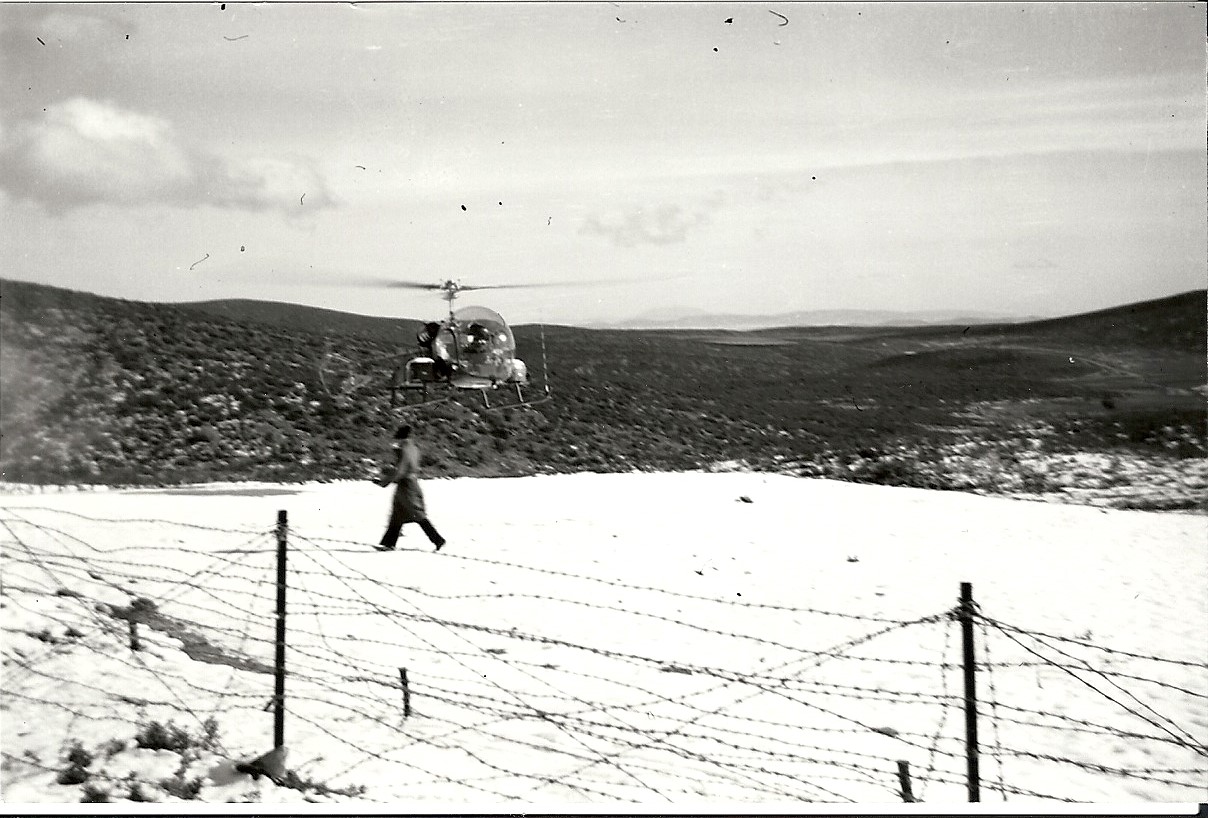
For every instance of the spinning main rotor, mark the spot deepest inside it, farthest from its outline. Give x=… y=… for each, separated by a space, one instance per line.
x=451 y=288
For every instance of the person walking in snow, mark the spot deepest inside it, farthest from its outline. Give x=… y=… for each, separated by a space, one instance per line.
x=408 y=505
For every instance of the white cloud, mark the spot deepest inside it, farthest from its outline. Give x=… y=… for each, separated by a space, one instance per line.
x=660 y=224
x=260 y=182
x=83 y=151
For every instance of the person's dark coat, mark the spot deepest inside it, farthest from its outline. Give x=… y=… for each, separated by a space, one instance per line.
x=408 y=498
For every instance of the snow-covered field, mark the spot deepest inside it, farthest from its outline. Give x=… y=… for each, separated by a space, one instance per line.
x=655 y=639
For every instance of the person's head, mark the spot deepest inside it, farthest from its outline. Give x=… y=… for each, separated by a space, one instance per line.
x=403 y=432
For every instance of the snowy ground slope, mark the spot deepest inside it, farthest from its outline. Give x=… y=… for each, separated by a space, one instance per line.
x=611 y=639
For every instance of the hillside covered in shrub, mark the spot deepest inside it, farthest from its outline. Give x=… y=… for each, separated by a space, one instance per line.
x=101 y=390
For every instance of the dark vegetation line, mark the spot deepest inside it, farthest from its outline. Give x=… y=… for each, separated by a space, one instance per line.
x=103 y=390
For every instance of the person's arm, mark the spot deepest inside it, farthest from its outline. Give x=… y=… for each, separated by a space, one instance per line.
x=395 y=475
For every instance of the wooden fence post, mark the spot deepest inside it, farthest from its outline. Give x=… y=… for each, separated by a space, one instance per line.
x=402 y=672
x=279 y=694
x=134 y=643
x=904 y=781
x=966 y=617
x=272 y=763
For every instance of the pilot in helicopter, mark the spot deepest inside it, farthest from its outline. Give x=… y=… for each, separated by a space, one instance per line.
x=478 y=338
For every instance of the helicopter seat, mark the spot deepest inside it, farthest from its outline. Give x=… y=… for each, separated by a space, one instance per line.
x=519 y=372
x=419 y=371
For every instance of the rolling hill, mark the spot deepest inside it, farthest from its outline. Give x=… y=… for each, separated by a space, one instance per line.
x=313 y=320
x=105 y=390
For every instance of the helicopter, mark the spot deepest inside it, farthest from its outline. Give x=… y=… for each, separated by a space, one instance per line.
x=472 y=349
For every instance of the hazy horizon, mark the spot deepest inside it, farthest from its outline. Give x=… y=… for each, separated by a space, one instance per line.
x=673 y=317
x=1027 y=159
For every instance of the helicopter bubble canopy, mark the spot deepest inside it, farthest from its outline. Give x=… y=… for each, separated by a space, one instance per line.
x=480 y=343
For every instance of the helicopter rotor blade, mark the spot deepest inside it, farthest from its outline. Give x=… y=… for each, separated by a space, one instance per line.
x=448 y=286
x=539 y=284
x=501 y=286
x=394 y=283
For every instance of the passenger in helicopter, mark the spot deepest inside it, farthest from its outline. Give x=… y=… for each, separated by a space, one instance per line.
x=427 y=334
x=430 y=346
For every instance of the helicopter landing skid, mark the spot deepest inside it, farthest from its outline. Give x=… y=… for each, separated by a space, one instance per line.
x=418 y=395
x=521 y=401
x=415 y=396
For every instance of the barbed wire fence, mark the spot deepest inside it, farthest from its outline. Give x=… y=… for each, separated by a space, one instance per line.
x=528 y=684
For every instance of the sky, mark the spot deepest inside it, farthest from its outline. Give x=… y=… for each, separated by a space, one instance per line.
x=665 y=158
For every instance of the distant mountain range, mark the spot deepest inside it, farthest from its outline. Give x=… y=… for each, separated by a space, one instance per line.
x=324 y=320
x=687 y=319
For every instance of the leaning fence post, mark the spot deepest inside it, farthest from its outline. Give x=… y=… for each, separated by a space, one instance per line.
x=904 y=781
x=966 y=618
x=402 y=672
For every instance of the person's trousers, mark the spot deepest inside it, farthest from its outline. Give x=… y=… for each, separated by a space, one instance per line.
x=395 y=528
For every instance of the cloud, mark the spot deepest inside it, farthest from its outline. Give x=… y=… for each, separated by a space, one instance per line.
x=83 y=151
x=260 y=183
x=667 y=224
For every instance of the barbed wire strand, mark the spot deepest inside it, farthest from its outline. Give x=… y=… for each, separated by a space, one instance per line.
x=46 y=563
x=614 y=609
x=637 y=707
x=492 y=706
x=850 y=719
x=54 y=647
x=939 y=729
x=61 y=536
x=362 y=547
x=994 y=719
x=1117 y=732
x=437 y=776
x=641 y=706
x=221 y=563
x=1191 y=745
x=1105 y=674
x=389 y=586
x=833 y=652
x=96 y=570
x=1142 y=774
x=154 y=674
x=128 y=520
x=104 y=624
x=509 y=595
x=252 y=698
x=318 y=622
x=247 y=624
x=517 y=697
x=1181 y=662
x=575 y=698
x=725 y=735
